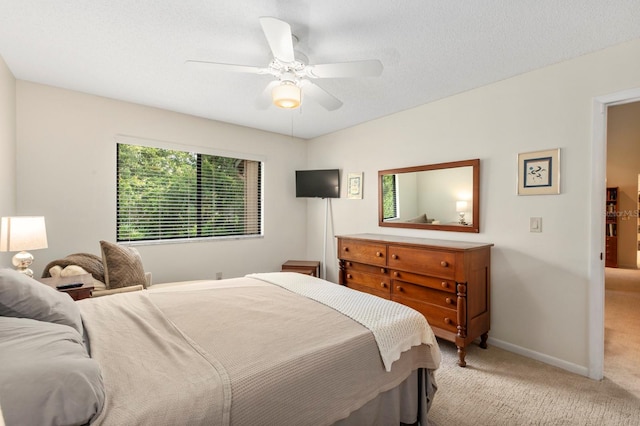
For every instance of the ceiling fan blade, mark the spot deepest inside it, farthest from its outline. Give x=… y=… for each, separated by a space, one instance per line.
x=368 y=68
x=226 y=67
x=320 y=95
x=264 y=100
x=278 y=34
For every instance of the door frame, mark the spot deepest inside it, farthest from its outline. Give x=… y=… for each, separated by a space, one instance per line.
x=597 y=241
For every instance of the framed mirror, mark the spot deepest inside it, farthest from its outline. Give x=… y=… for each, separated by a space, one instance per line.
x=443 y=197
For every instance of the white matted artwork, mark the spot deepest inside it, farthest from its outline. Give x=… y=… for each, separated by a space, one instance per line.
x=539 y=172
x=354 y=185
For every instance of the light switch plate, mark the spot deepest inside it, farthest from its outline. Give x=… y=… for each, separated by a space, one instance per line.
x=535 y=224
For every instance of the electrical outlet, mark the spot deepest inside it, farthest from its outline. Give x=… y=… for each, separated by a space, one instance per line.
x=218 y=275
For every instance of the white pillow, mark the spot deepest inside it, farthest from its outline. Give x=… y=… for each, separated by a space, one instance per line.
x=72 y=270
x=55 y=271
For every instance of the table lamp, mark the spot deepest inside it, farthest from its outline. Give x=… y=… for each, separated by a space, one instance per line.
x=461 y=208
x=22 y=233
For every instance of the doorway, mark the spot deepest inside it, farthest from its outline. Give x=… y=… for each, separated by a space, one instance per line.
x=637 y=215
x=597 y=225
x=623 y=177
x=622 y=283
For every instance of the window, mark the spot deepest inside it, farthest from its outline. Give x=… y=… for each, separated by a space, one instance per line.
x=168 y=194
x=389 y=197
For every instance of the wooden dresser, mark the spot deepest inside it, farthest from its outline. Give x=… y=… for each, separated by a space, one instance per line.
x=447 y=281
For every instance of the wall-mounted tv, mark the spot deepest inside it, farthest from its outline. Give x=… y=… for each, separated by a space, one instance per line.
x=318 y=183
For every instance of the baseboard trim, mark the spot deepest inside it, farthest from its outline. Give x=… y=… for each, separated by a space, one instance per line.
x=556 y=362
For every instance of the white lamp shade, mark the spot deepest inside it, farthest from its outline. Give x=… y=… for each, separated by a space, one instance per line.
x=286 y=95
x=21 y=233
x=461 y=206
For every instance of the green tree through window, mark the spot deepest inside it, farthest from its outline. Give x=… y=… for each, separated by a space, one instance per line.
x=168 y=194
x=389 y=197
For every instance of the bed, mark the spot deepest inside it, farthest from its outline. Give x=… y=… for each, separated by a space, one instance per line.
x=274 y=348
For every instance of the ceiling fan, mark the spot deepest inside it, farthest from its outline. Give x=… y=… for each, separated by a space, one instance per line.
x=293 y=74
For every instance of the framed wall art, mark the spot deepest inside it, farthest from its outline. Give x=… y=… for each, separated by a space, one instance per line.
x=539 y=172
x=354 y=185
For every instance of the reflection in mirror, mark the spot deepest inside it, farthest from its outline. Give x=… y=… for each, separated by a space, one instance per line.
x=437 y=196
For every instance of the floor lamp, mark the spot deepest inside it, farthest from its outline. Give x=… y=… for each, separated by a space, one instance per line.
x=324 y=241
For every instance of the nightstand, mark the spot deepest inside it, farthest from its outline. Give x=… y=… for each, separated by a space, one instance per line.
x=308 y=267
x=77 y=293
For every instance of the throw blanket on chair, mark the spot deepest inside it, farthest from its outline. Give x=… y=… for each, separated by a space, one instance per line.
x=87 y=261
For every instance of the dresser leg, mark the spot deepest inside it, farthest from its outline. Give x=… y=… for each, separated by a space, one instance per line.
x=483 y=340
x=462 y=353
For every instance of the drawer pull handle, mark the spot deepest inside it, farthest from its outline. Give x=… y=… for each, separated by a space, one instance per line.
x=382 y=271
x=346 y=249
x=383 y=285
x=445 y=284
x=400 y=289
x=396 y=274
x=448 y=321
x=349 y=276
x=378 y=254
x=444 y=264
x=349 y=264
x=394 y=256
x=449 y=301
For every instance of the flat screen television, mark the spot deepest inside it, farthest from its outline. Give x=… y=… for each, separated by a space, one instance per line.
x=318 y=183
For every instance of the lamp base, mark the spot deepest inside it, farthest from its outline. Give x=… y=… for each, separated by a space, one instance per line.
x=22 y=261
x=461 y=221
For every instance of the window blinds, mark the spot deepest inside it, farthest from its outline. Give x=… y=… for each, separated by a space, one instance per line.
x=169 y=194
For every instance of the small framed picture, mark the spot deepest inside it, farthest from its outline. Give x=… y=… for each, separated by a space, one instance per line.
x=354 y=185
x=539 y=172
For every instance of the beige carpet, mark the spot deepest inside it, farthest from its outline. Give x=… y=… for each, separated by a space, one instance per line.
x=622 y=328
x=501 y=388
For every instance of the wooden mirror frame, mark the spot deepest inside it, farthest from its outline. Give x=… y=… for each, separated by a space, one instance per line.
x=475 y=225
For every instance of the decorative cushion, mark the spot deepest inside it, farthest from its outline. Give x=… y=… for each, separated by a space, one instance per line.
x=24 y=297
x=122 y=266
x=46 y=374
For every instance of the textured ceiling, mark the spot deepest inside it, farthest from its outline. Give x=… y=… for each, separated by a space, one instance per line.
x=135 y=50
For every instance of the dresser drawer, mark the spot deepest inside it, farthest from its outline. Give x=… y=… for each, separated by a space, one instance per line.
x=371 y=253
x=424 y=294
x=365 y=289
x=371 y=269
x=431 y=262
x=377 y=282
x=436 y=316
x=425 y=281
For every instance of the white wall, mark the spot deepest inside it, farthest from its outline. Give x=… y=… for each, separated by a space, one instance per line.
x=66 y=165
x=407 y=194
x=7 y=149
x=540 y=281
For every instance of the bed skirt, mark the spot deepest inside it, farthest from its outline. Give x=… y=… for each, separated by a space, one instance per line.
x=406 y=404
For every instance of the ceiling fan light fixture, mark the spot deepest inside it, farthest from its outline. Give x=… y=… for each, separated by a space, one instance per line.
x=286 y=95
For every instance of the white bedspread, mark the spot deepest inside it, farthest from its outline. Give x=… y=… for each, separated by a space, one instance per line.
x=396 y=327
